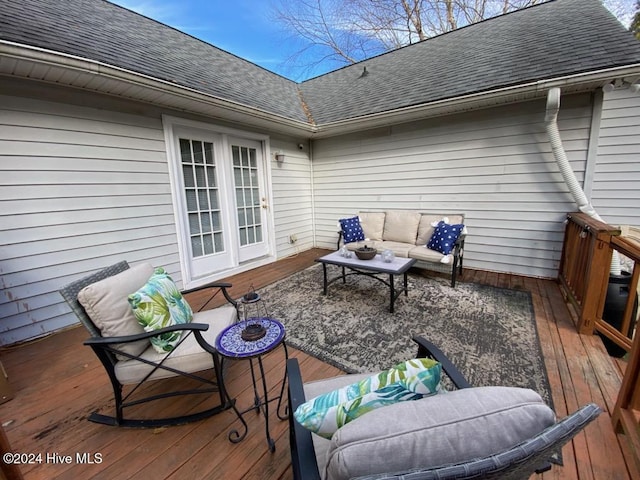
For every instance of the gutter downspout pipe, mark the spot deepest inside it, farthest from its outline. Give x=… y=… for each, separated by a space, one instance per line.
x=551 y=122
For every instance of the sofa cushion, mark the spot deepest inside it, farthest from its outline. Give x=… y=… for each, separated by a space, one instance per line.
x=401 y=226
x=438 y=430
x=158 y=304
x=400 y=249
x=365 y=243
x=410 y=380
x=428 y=223
x=422 y=253
x=106 y=304
x=351 y=229
x=188 y=356
x=444 y=237
x=372 y=224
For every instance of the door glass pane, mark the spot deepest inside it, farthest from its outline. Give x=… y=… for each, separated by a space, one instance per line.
x=199 y=170
x=217 y=242
x=192 y=203
x=187 y=174
x=198 y=154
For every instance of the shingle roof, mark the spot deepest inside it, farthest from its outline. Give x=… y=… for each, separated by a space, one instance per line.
x=549 y=40
x=99 y=30
x=561 y=37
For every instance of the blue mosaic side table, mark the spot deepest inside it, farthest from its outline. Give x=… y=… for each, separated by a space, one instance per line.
x=237 y=342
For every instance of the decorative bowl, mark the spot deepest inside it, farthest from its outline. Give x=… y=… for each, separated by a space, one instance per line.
x=365 y=253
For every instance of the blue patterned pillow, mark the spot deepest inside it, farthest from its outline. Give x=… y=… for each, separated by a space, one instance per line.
x=444 y=237
x=351 y=229
x=410 y=380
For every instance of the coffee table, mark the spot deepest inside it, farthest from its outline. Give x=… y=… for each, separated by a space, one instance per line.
x=370 y=268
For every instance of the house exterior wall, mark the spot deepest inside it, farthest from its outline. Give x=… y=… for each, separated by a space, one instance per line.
x=616 y=184
x=494 y=165
x=82 y=188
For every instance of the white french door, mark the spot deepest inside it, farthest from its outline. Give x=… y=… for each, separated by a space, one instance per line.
x=221 y=198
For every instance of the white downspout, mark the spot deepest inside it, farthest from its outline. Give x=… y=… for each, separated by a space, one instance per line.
x=551 y=122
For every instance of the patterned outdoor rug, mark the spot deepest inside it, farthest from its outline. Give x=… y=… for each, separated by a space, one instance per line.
x=489 y=333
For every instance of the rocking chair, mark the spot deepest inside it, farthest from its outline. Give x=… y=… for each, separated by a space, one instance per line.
x=486 y=432
x=125 y=351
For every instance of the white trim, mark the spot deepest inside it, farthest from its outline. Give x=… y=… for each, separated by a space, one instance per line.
x=536 y=89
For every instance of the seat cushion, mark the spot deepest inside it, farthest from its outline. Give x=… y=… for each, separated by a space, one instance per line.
x=398 y=248
x=188 y=356
x=425 y=254
x=158 y=304
x=438 y=430
x=401 y=226
x=372 y=224
x=106 y=304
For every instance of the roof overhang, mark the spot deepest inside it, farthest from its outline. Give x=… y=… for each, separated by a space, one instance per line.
x=31 y=63
x=23 y=61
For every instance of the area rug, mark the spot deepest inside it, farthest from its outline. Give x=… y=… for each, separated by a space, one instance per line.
x=489 y=333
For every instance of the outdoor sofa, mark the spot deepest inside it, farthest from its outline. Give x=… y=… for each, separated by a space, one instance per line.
x=434 y=239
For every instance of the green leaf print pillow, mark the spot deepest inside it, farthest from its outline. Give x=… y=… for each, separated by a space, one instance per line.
x=411 y=380
x=160 y=304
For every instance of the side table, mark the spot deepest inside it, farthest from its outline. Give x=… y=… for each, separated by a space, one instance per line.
x=231 y=345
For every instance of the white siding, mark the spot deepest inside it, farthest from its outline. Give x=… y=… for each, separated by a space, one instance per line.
x=495 y=166
x=292 y=197
x=81 y=188
x=616 y=185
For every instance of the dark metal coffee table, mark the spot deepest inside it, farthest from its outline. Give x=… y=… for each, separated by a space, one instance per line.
x=371 y=268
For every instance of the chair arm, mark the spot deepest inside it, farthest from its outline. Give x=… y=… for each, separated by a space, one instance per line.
x=208 y=285
x=426 y=349
x=106 y=341
x=303 y=458
x=340 y=233
x=221 y=285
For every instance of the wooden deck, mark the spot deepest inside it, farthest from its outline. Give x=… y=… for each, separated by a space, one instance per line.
x=58 y=381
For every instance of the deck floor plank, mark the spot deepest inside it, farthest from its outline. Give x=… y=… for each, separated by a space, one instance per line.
x=58 y=382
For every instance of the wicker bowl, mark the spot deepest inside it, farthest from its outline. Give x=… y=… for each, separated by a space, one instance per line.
x=365 y=253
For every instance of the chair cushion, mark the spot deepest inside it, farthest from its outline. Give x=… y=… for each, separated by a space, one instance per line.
x=106 y=304
x=351 y=229
x=428 y=223
x=410 y=380
x=444 y=237
x=372 y=224
x=442 y=429
x=158 y=304
x=188 y=356
x=401 y=226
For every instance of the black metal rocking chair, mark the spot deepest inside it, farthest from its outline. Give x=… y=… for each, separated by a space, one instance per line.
x=311 y=454
x=194 y=353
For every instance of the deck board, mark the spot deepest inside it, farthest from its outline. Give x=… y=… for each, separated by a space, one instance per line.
x=58 y=381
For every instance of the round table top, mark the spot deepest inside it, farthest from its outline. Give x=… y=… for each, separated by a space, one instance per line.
x=231 y=344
